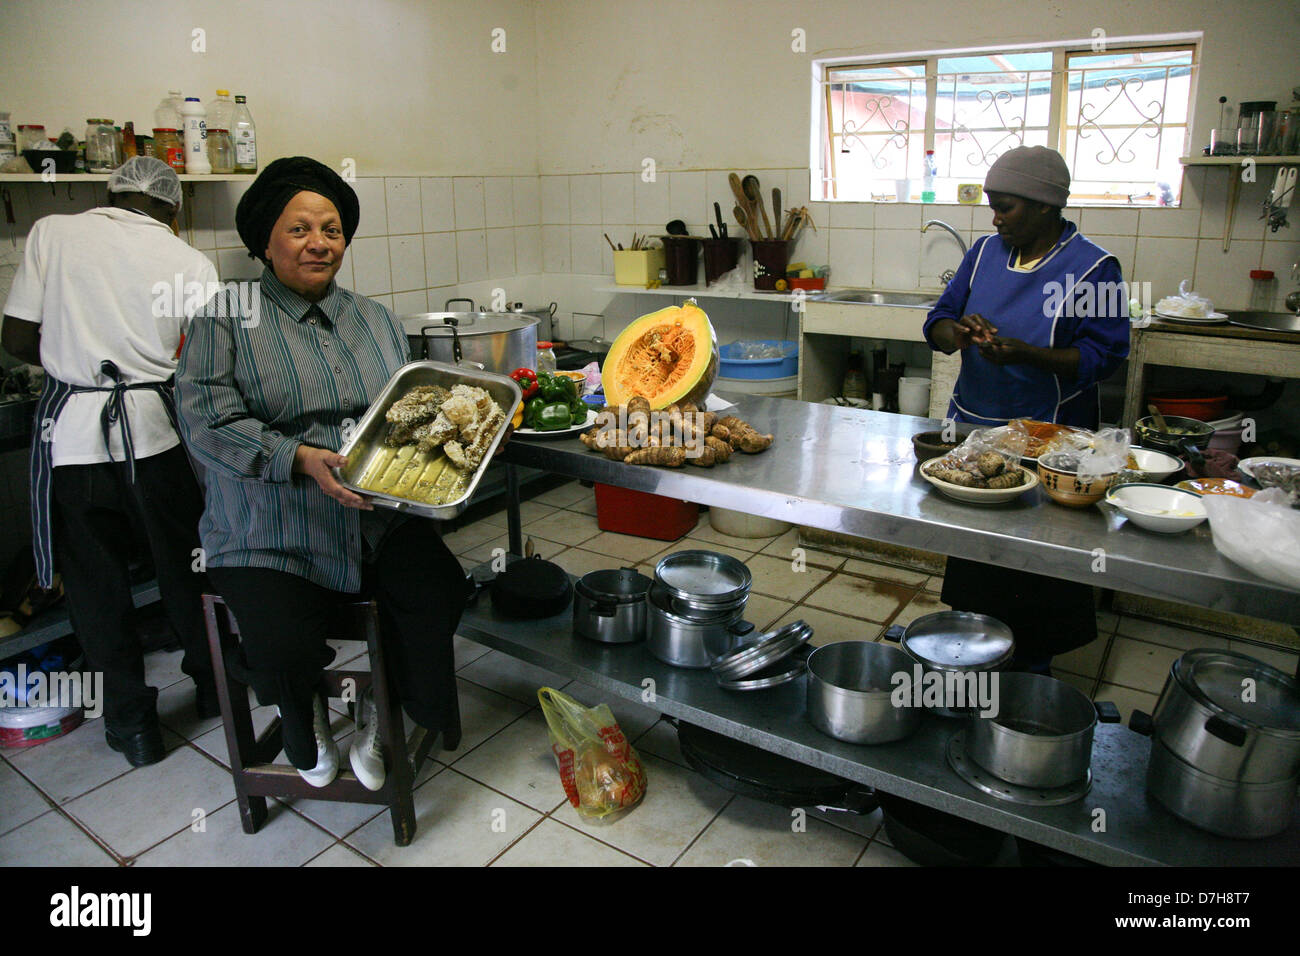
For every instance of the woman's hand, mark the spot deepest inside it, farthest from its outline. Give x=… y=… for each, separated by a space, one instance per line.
x=1063 y=362
x=316 y=463
x=1005 y=351
x=957 y=334
x=510 y=430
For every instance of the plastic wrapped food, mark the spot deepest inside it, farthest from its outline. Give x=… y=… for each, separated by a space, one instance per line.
x=601 y=774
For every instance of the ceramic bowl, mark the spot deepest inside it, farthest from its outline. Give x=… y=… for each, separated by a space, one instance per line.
x=1063 y=486
x=1153 y=466
x=1159 y=507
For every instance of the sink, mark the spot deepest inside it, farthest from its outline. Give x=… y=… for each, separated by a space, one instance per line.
x=908 y=300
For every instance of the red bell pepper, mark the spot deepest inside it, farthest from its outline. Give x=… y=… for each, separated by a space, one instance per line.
x=527 y=380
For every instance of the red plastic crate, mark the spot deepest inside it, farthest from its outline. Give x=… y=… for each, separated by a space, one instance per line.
x=643 y=514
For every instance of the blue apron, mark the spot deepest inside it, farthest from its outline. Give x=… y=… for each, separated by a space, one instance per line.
x=54 y=397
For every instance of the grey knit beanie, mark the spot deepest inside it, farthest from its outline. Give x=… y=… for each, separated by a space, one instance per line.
x=1034 y=172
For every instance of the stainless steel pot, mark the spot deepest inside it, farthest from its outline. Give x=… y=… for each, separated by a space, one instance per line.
x=701 y=612
x=1041 y=735
x=494 y=341
x=705 y=579
x=1203 y=720
x=1226 y=807
x=1186 y=443
x=682 y=642
x=850 y=689
x=610 y=606
x=957 y=643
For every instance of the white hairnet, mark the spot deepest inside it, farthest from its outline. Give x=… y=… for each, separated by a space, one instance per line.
x=144 y=174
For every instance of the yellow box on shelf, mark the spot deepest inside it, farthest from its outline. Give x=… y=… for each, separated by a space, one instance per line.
x=637 y=266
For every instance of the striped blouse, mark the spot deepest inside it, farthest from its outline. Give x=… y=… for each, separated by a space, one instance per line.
x=259 y=375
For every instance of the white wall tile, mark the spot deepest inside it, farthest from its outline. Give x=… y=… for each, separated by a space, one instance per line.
x=501 y=252
x=345 y=276
x=196 y=214
x=850 y=257
x=1224 y=277
x=440 y=259
x=814 y=248
x=555 y=201
x=687 y=200
x=896 y=260
x=1122 y=248
x=1173 y=222
x=411 y=303
x=235 y=264
x=1246 y=223
x=1164 y=263
x=471 y=255
x=528 y=250
x=371 y=195
x=384 y=300
x=527 y=200
x=851 y=215
x=438 y=205
x=555 y=247
x=616 y=198
x=224 y=199
x=468 y=191
x=1111 y=222
x=939 y=252
x=586 y=243
x=584 y=199
x=1280 y=256
x=499 y=201
x=403 y=199
x=650 y=201
x=900 y=215
x=717 y=188
x=406 y=258
x=370 y=268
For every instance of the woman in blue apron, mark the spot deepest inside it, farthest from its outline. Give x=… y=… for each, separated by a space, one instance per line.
x=1040 y=316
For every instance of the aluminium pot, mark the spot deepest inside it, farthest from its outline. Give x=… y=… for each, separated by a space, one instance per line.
x=701 y=612
x=704 y=579
x=1227 y=807
x=957 y=646
x=493 y=341
x=850 y=692
x=1041 y=735
x=609 y=606
x=682 y=642
x=1203 y=720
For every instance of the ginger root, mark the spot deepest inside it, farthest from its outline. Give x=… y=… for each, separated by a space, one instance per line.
x=744 y=436
x=672 y=456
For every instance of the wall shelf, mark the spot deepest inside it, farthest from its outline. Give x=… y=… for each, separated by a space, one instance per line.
x=1234 y=182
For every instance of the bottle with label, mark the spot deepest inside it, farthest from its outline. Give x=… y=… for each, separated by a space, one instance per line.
x=129 y=147
x=168 y=147
x=927 y=182
x=196 y=137
x=245 y=135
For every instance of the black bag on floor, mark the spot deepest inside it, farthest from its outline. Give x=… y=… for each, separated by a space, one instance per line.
x=532 y=588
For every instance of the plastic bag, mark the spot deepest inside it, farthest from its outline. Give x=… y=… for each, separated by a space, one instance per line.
x=749 y=351
x=988 y=458
x=1262 y=533
x=1107 y=456
x=1186 y=303
x=601 y=773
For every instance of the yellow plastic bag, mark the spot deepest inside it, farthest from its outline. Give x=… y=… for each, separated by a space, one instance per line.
x=601 y=773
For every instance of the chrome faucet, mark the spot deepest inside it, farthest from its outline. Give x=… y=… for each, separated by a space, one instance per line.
x=947 y=274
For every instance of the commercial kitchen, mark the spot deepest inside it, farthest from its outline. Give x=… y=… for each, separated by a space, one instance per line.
x=557 y=186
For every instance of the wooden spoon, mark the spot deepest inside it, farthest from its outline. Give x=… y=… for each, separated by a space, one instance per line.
x=776 y=206
x=744 y=221
x=754 y=193
x=1160 y=419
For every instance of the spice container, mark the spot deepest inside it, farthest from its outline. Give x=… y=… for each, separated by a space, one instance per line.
x=545 y=357
x=102 y=154
x=168 y=147
x=1262 y=288
x=31 y=136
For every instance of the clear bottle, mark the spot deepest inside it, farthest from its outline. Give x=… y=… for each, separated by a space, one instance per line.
x=167 y=115
x=545 y=357
x=245 y=136
x=196 y=133
x=221 y=111
x=101 y=146
x=927 y=181
x=221 y=151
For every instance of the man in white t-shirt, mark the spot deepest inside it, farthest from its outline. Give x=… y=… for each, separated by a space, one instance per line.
x=101 y=301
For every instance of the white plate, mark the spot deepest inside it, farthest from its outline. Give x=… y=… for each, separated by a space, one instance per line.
x=1246 y=465
x=981 y=496
x=558 y=432
x=1214 y=318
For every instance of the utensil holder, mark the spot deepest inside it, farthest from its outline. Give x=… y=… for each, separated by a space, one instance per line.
x=720 y=256
x=681 y=260
x=770 y=259
x=637 y=266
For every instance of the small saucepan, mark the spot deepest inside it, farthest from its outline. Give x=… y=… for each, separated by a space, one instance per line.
x=609 y=606
x=1184 y=437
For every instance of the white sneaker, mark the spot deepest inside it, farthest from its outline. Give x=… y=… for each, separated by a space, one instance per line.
x=327 y=751
x=366 y=754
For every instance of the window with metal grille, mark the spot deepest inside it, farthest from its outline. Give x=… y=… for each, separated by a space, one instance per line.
x=1119 y=116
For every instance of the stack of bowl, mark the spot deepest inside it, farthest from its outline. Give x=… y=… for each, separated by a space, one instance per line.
x=695 y=607
x=1225 y=753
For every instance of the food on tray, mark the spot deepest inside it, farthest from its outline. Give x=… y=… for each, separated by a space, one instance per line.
x=669 y=357
x=675 y=436
x=986 y=470
x=1216 y=486
x=436 y=439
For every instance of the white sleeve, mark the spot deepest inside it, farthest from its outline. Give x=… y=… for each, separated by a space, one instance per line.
x=27 y=294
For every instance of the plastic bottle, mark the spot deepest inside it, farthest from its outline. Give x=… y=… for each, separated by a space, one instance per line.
x=196 y=137
x=245 y=135
x=167 y=115
x=221 y=111
x=927 y=181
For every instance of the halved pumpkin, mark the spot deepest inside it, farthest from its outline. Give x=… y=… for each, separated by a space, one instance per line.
x=667 y=356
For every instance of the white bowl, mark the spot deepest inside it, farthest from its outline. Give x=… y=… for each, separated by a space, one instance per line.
x=1155 y=466
x=1159 y=507
x=980 y=496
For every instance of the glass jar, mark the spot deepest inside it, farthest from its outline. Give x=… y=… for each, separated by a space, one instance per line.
x=168 y=147
x=101 y=146
x=545 y=357
x=30 y=136
x=221 y=151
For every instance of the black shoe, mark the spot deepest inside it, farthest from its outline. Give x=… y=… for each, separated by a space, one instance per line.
x=206 y=701
x=140 y=749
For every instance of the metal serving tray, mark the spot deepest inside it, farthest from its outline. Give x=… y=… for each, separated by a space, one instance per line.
x=367 y=439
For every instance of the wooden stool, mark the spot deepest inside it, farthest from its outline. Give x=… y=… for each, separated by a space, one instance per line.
x=256 y=777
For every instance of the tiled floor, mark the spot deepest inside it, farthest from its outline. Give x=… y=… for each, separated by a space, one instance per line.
x=497 y=800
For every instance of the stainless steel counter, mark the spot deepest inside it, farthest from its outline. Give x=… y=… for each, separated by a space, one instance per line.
x=853 y=471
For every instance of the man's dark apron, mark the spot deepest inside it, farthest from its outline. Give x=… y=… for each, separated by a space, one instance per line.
x=54 y=397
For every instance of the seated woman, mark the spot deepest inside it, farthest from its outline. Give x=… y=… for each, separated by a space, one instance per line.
x=263 y=401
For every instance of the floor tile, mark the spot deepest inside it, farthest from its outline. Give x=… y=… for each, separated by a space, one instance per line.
x=866 y=824
x=767 y=836
x=552 y=844
x=934 y=584
x=919 y=606
x=1084 y=684
x=213 y=742
x=482 y=713
x=511 y=676
x=340 y=855
x=585 y=506
x=528 y=511
x=565 y=527
x=51 y=840
x=704 y=531
x=467 y=651
x=471 y=536
x=1107 y=621
x=779 y=579
x=67 y=767
x=496 y=547
x=20 y=801
x=861 y=597
x=1126 y=700
x=694 y=544
x=660 y=740
x=1155 y=632
x=762 y=611
x=678 y=805
x=519 y=762
x=1086 y=660
x=887 y=572
x=459 y=823
x=565 y=495
x=625 y=548
x=580 y=561
x=163 y=668
x=172 y=790
x=348 y=654
x=1139 y=664
x=831 y=628
x=176 y=711
x=784 y=545
x=1283 y=660
x=284 y=840
x=881 y=854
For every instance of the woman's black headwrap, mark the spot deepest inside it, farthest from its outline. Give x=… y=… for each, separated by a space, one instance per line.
x=263 y=201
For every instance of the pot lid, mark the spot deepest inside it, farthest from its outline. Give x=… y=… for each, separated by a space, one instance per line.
x=703 y=575
x=782 y=672
x=616 y=585
x=763 y=651
x=1243 y=687
x=434 y=324
x=959 y=641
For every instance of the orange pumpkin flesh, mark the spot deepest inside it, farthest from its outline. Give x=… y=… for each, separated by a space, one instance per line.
x=667 y=356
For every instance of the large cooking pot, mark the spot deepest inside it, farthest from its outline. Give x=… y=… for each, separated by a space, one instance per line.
x=1202 y=718
x=957 y=646
x=609 y=606
x=494 y=341
x=850 y=691
x=1227 y=807
x=1041 y=735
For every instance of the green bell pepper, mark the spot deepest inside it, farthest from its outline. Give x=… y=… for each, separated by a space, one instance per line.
x=554 y=416
x=531 y=410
